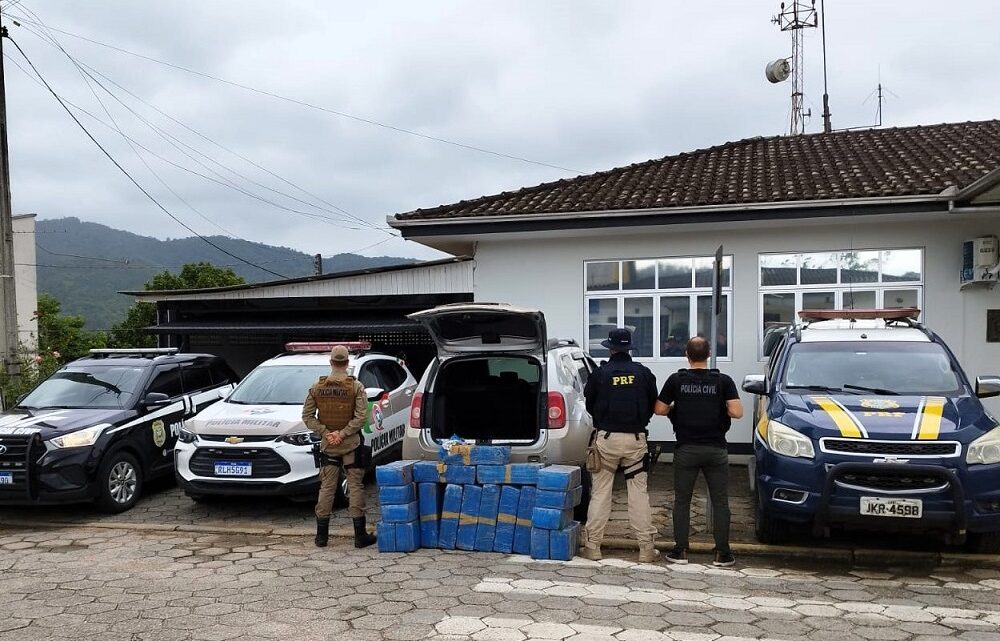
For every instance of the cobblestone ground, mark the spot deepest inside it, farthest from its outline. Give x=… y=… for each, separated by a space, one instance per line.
x=166 y=504
x=115 y=585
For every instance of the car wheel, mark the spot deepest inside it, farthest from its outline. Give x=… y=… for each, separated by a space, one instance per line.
x=767 y=528
x=580 y=512
x=120 y=478
x=984 y=542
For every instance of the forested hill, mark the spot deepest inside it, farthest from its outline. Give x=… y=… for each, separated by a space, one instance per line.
x=83 y=265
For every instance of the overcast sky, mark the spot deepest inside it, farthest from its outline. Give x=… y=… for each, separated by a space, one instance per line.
x=583 y=85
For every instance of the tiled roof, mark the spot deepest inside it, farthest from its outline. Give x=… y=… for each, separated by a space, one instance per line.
x=904 y=161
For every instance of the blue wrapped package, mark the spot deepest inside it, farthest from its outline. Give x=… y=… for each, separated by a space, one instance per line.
x=548 y=519
x=516 y=473
x=468 y=520
x=395 y=473
x=487 y=528
x=396 y=494
x=559 y=477
x=454 y=453
x=434 y=472
x=407 y=536
x=451 y=508
x=559 y=500
x=539 y=543
x=563 y=543
x=522 y=529
x=386 y=534
x=430 y=495
x=400 y=513
x=506 y=519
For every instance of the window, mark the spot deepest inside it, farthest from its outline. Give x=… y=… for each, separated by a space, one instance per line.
x=866 y=279
x=196 y=378
x=391 y=374
x=368 y=377
x=663 y=301
x=167 y=382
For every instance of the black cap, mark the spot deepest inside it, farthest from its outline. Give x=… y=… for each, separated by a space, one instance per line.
x=618 y=339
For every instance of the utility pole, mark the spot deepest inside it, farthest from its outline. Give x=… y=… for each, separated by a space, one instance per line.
x=8 y=316
x=827 y=127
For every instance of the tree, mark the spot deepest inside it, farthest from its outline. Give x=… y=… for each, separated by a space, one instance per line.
x=61 y=338
x=131 y=332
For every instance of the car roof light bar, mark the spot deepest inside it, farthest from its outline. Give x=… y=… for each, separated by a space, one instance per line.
x=902 y=314
x=325 y=346
x=141 y=351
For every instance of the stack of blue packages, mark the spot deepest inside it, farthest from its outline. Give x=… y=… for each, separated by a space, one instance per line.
x=468 y=520
x=455 y=451
x=554 y=533
x=514 y=473
x=489 y=506
x=399 y=528
x=435 y=472
x=522 y=530
x=503 y=541
x=451 y=510
x=430 y=498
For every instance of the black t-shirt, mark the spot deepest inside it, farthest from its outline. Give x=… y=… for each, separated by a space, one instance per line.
x=699 y=413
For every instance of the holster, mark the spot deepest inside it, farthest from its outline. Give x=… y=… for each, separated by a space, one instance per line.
x=322 y=460
x=362 y=457
x=593 y=463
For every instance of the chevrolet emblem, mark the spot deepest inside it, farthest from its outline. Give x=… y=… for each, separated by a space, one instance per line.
x=234 y=440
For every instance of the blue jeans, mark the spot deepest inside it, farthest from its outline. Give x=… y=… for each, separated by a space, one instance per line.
x=713 y=462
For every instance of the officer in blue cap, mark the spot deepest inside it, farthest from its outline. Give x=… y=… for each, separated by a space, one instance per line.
x=620 y=397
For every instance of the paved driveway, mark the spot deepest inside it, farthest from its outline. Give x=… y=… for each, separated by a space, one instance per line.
x=115 y=585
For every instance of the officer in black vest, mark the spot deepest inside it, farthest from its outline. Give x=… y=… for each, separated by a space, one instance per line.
x=701 y=404
x=620 y=397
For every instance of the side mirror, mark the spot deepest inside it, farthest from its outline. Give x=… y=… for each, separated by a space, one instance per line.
x=987 y=386
x=754 y=383
x=374 y=393
x=155 y=399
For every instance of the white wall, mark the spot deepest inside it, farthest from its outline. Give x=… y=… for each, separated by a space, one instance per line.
x=546 y=272
x=26 y=283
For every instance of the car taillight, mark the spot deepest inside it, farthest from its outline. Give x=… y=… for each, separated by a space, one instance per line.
x=557 y=411
x=415 y=410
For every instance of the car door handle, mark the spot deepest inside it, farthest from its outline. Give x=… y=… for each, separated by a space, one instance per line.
x=409 y=392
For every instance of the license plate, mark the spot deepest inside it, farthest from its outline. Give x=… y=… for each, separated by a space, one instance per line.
x=6 y=478
x=898 y=508
x=232 y=468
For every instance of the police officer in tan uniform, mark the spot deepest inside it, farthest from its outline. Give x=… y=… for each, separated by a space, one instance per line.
x=336 y=408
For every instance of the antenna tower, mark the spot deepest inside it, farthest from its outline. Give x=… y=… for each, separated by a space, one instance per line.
x=794 y=17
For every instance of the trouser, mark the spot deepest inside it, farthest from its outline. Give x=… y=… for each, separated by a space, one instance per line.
x=713 y=462
x=629 y=453
x=329 y=477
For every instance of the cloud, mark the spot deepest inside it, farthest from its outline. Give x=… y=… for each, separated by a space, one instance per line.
x=585 y=85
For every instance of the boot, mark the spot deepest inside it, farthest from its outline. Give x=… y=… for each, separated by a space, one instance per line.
x=648 y=554
x=322 y=532
x=587 y=548
x=362 y=538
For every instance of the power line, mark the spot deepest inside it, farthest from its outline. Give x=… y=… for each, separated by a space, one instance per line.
x=219 y=181
x=125 y=171
x=107 y=260
x=303 y=103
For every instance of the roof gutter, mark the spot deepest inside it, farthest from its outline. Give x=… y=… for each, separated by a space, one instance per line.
x=672 y=215
x=978 y=187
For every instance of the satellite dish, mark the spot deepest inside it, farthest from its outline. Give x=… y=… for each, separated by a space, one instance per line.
x=778 y=70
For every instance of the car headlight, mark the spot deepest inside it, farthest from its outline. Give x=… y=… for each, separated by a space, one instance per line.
x=985 y=449
x=81 y=438
x=186 y=436
x=300 y=438
x=786 y=441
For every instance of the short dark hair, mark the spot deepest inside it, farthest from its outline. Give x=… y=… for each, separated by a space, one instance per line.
x=698 y=349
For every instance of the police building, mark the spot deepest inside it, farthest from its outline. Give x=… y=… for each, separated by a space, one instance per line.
x=885 y=218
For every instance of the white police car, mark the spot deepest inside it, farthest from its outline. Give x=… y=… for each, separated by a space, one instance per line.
x=254 y=441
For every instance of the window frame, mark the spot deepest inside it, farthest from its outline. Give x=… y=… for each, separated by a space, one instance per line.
x=880 y=286
x=693 y=293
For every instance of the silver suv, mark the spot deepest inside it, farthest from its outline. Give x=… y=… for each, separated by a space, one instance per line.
x=498 y=379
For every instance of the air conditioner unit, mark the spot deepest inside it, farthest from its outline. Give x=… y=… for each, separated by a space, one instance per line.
x=980 y=257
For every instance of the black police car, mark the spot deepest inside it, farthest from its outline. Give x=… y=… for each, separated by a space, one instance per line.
x=101 y=426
